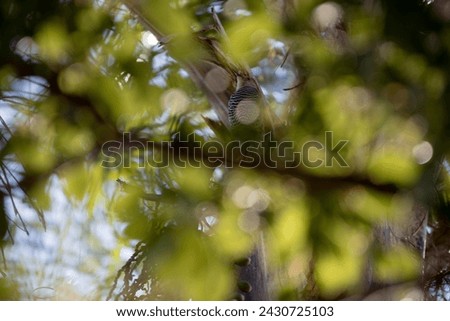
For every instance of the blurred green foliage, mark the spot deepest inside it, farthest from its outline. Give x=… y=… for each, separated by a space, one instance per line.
x=77 y=74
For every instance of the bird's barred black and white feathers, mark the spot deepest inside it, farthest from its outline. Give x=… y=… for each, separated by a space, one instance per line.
x=243 y=107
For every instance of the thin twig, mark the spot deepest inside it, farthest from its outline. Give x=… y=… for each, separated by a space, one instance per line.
x=7 y=185
x=32 y=202
x=285 y=58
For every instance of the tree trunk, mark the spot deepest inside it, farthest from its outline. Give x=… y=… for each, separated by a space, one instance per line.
x=255 y=274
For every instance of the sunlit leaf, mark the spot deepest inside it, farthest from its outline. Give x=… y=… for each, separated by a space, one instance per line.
x=53 y=42
x=398 y=263
x=189 y=269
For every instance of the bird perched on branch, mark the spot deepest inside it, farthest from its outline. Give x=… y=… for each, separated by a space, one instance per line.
x=244 y=105
x=249 y=114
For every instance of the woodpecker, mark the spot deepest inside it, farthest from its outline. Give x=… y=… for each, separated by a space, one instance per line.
x=244 y=105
